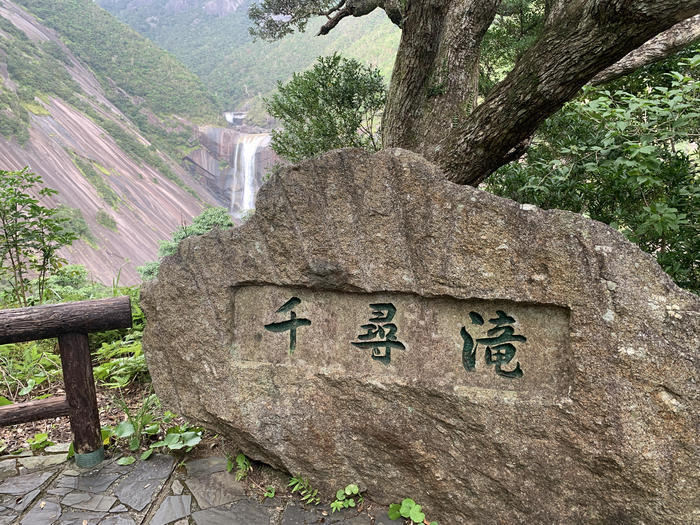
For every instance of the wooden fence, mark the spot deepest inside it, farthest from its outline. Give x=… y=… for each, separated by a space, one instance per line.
x=71 y=323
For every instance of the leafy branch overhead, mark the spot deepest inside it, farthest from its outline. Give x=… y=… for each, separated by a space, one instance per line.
x=433 y=102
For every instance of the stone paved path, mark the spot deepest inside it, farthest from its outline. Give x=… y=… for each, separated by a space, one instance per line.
x=49 y=490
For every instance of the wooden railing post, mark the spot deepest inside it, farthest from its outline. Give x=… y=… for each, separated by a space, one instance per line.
x=70 y=322
x=82 y=399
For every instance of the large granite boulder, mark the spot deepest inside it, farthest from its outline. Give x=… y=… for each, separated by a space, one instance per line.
x=374 y=323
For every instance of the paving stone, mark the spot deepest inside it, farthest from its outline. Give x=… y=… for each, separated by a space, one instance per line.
x=294 y=515
x=19 y=485
x=137 y=488
x=199 y=467
x=118 y=520
x=59 y=491
x=42 y=462
x=172 y=509
x=79 y=517
x=22 y=454
x=92 y=482
x=119 y=508
x=158 y=466
x=6 y=520
x=8 y=467
x=17 y=503
x=177 y=487
x=182 y=522
x=71 y=472
x=356 y=520
x=86 y=501
x=216 y=489
x=44 y=512
x=240 y=513
x=59 y=448
x=112 y=467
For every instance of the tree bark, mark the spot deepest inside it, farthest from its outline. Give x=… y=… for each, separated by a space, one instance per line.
x=34 y=411
x=51 y=320
x=583 y=38
x=671 y=41
x=435 y=78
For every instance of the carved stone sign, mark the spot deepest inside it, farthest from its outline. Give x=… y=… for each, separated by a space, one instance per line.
x=373 y=323
x=458 y=344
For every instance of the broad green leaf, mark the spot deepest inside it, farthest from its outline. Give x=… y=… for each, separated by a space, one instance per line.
x=170 y=439
x=134 y=443
x=4 y=401
x=126 y=460
x=124 y=430
x=152 y=430
x=340 y=495
x=191 y=441
x=416 y=514
x=394 y=511
x=28 y=388
x=147 y=454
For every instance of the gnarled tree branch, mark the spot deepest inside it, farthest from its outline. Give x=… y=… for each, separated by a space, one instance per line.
x=679 y=36
x=581 y=39
x=333 y=21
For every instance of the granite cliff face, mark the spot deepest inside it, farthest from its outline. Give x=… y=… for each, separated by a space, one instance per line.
x=91 y=170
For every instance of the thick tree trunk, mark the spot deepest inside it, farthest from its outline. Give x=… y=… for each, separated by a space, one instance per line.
x=433 y=85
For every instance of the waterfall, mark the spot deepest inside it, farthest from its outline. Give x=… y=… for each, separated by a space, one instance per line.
x=244 y=184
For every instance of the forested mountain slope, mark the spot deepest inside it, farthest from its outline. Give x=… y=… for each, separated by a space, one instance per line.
x=211 y=37
x=104 y=117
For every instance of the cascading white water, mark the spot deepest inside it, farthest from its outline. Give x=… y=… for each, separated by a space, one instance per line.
x=234 y=181
x=244 y=185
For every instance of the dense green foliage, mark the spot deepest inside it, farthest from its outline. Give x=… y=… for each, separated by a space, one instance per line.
x=515 y=28
x=31 y=236
x=204 y=222
x=31 y=370
x=627 y=157
x=336 y=104
x=114 y=51
x=74 y=223
x=239 y=70
x=38 y=71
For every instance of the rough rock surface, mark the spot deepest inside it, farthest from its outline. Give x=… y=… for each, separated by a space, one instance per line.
x=601 y=427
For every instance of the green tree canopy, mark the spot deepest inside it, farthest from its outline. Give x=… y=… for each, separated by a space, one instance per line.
x=336 y=104
x=31 y=236
x=626 y=156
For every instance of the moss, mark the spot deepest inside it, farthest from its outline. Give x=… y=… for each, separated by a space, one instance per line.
x=106 y=220
x=36 y=109
x=96 y=179
x=102 y=168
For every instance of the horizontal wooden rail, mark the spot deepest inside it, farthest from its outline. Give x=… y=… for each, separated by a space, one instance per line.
x=51 y=320
x=34 y=411
x=71 y=323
